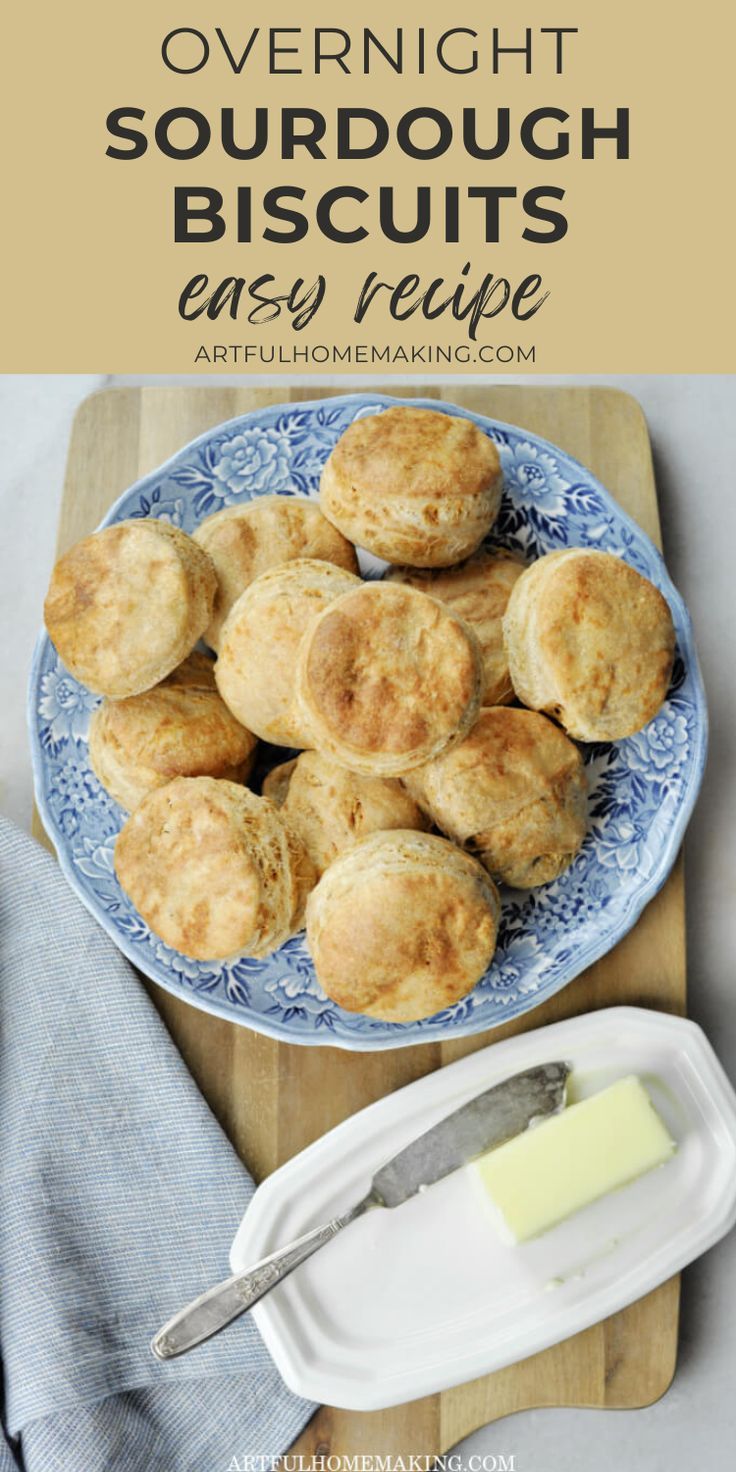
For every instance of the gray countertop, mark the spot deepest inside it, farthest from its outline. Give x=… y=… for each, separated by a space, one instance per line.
x=692 y=422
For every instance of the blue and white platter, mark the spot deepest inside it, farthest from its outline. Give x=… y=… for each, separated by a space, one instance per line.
x=642 y=790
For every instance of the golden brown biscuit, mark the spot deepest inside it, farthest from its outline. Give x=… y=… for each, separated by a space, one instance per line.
x=401 y=926
x=214 y=870
x=244 y=541
x=387 y=678
x=590 y=641
x=513 y=793
x=478 y=591
x=181 y=728
x=413 y=485
x=256 y=667
x=332 y=809
x=126 y=605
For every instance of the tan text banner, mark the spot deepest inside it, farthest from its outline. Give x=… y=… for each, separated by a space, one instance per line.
x=401 y=187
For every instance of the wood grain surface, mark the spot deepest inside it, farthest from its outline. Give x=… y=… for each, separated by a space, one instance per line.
x=273 y=1099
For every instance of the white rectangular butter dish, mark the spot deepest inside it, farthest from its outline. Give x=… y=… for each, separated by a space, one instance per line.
x=411 y=1301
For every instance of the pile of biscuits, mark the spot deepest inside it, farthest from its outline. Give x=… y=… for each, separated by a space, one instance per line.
x=433 y=711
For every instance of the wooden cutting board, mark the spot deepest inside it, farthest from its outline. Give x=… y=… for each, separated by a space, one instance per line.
x=274 y=1099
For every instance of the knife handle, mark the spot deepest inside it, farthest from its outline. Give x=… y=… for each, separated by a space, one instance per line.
x=219 y=1306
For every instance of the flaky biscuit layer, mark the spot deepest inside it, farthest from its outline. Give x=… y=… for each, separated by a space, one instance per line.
x=215 y=871
x=513 y=793
x=332 y=809
x=259 y=644
x=180 y=728
x=478 y=590
x=245 y=541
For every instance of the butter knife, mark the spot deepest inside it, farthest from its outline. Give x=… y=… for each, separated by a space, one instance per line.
x=486 y=1121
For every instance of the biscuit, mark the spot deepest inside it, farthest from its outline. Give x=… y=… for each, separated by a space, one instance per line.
x=244 y=541
x=276 y=782
x=180 y=728
x=478 y=591
x=332 y=809
x=215 y=871
x=513 y=793
x=255 y=670
x=590 y=641
x=402 y=926
x=387 y=678
x=413 y=485
x=128 y=604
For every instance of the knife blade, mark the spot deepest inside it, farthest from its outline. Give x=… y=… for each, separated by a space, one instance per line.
x=488 y=1120
x=504 y=1110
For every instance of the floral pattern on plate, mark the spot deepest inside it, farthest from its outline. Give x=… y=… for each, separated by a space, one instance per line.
x=642 y=790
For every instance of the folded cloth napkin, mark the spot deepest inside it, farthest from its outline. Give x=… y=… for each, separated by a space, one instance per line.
x=120 y=1196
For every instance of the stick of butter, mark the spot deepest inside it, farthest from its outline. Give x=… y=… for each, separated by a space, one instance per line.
x=573 y=1158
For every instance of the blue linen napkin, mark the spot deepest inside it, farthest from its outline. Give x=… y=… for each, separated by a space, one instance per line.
x=120 y=1197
